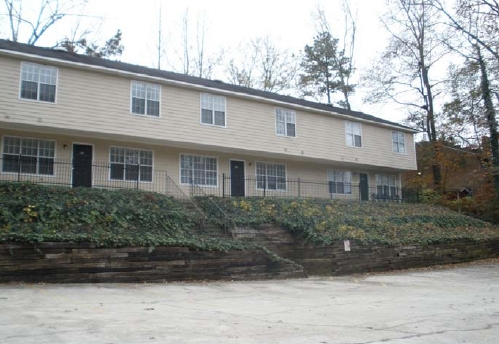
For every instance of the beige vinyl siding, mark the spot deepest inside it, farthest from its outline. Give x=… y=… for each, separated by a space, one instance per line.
x=167 y=162
x=99 y=103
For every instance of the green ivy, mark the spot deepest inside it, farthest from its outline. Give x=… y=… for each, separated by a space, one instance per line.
x=325 y=221
x=108 y=218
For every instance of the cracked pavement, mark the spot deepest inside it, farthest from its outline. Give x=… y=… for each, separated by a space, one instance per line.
x=457 y=305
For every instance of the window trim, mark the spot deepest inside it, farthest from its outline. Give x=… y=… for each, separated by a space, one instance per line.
x=145 y=108
x=125 y=180
x=345 y=194
x=195 y=154
x=273 y=163
x=29 y=174
x=398 y=189
x=346 y=133
x=38 y=93
x=398 y=143
x=285 y=123
x=201 y=111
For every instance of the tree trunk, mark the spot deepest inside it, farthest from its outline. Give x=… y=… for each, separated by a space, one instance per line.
x=432 y=131
x=491 y=121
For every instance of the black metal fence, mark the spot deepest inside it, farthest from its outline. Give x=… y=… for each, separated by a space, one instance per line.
x=132 y=176
x=291 y=188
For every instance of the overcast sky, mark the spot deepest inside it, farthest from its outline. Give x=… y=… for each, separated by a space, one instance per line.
x=228 y=23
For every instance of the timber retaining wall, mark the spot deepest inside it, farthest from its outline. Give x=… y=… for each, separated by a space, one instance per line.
x=84 y=262
x=334 y=259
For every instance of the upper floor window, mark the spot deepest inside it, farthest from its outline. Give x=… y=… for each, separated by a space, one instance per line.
x=145 y=99
x=38 y=82
x=398 y=142
x=353 y=134
x=285 y=122
x=213 y=110
x=270 y=176
x=340 y=182
x=31 y=156
x=199 y=170
x=130 y=164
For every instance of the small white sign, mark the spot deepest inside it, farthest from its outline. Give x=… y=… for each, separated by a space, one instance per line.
x=347 y=245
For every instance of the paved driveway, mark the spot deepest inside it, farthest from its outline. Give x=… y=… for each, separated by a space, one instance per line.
x=457 y=305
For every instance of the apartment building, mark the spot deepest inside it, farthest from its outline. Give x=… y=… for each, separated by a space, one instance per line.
x=76 y=120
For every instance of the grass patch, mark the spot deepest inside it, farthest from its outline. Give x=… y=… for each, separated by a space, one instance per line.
x=368 y=222
x=37 y=213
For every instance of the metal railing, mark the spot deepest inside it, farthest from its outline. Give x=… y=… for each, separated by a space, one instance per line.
x=62 y=172
x=226 y=222
x=296 y=188
x=135 y=176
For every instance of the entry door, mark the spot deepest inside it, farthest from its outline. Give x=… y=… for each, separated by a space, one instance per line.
x=82 y=165
x=364 y=187
x=237 y=186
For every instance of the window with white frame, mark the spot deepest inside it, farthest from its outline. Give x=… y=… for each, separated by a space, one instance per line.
x=199 y=170
x=38 y=82
x=270 y=176
x=285 y=122
x=130 y=164
x=29 y=156
x=386 y=186
x=213 y=110
x=340 y=182
x=145 y=99
x=353 y=134
x=398 y=142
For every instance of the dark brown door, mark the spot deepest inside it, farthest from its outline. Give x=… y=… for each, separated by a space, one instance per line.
x=82 y=165
x=364 y=187
x=237 y=178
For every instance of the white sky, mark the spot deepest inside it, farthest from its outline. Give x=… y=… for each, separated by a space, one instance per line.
x=228 y=23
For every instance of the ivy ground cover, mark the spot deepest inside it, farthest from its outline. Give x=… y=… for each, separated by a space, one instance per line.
x=369 y=222
x=37 y=213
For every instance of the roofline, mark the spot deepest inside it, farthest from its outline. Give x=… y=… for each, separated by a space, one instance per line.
x=202 y=87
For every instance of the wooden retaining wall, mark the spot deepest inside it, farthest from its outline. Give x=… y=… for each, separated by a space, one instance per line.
x=84 y=262
x=327 y=260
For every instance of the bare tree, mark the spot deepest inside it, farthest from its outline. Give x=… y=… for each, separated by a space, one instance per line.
x=476 y=19
x=478 y=22
x=404 y=73
x=27 y=23
x=262 y=65
x=193 y=57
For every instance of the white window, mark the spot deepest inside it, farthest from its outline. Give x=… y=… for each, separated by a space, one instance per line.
x=285 y=122
x=340 y=182
x=353 y=134
x=386 y=187
x=212 y=110
x=38 y=82
x=270 y=176
x=130 y=164
x=28 y=156
x=145 y=99
x=199 y=170
x=398 y=142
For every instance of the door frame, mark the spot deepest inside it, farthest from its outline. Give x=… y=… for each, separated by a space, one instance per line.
x=72 y=156
x=244 y=177
x=360 y=193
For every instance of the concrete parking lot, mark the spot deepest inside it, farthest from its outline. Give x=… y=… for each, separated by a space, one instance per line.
x=458 y=305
